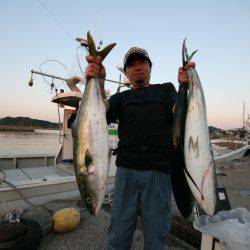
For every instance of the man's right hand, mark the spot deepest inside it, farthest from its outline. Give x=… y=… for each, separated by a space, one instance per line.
x=95 y=69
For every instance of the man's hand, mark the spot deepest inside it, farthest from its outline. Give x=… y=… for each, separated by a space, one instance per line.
x=95 y=69
x=182 y=73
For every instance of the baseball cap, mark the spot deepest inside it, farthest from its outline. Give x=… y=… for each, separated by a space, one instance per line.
x=138 y=53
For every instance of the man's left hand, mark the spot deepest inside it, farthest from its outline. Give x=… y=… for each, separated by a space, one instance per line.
x=182 y=73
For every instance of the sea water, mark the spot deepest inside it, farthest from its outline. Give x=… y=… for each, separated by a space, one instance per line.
x=13 y=143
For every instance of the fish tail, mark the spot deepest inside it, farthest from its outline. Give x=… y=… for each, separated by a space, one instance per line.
x=185 y=57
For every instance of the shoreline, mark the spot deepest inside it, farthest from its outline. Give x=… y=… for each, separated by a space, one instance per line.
x=23 y=128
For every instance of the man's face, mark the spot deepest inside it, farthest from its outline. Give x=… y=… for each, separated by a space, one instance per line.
x=138 y=72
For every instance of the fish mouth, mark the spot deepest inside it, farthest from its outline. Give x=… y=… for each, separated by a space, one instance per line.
x=91 y=206
x=96 y=207
x=94 y=210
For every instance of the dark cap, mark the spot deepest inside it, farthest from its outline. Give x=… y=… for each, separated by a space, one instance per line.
x=138 y=53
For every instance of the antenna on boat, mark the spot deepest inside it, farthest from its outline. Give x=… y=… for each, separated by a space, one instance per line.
x=120 y=84
x=95 y=24
x=101 y=42
x=244 y=115
x=52 y=85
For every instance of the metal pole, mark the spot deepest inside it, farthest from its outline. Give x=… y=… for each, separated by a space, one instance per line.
x=61 y=78
x=49 y=75
x=108 y=80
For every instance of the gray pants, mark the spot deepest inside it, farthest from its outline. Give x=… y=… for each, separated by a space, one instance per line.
x=152 y=189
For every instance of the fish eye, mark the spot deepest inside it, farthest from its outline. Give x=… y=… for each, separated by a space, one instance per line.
x=89 y=200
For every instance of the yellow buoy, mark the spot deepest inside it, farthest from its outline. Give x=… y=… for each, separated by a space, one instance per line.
x=66 y=220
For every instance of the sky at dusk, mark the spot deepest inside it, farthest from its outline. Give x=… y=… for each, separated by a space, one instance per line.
x=219 y=30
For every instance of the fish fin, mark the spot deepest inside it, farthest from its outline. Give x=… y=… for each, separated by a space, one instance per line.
x=104 y=52
x=184 y=53
x=91 y=43
x=73 y=129
x=185 y=57
x=191 y=56
x=88 y=160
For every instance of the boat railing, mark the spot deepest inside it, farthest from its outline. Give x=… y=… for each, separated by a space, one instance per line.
x=26 y=161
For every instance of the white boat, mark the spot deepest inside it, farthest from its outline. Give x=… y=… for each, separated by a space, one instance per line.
x=40 y=185
x=223 y=154
x=53 y=178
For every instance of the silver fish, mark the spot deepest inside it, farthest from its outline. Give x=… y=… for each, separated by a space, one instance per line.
x=91 y=147
x=200 y=167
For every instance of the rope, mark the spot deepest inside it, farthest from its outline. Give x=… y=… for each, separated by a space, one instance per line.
x=52 y=60
x=3 y=179
x=109 y=198
x=59 y=121
x=55 y=19
x=12 y=213
x=12 y=217
x=78 y=60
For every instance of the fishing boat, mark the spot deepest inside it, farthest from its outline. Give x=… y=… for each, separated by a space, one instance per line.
x=233 y=144
x=227 y=150
x=35 y=179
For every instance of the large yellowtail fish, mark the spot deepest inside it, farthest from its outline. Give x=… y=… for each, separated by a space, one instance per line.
x=91 y=140
x=200 y=167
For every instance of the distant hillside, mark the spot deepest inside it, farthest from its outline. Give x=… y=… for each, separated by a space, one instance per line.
x=213 y=129
x=27 y=122
x=35 y=123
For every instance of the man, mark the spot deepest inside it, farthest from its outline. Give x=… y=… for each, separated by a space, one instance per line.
x=145 y=115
